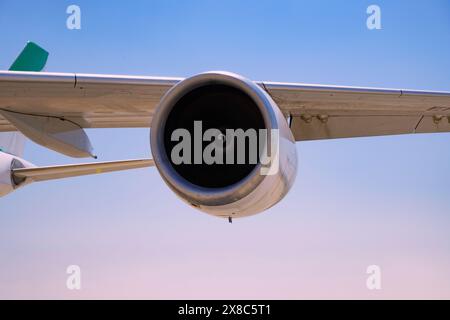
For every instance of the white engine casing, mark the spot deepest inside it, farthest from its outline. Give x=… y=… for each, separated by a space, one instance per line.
x=254 y=193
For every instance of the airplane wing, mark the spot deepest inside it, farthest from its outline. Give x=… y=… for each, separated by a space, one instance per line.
x=327 y=112
x=89 y=101
x=35 y=174
x=316 y=111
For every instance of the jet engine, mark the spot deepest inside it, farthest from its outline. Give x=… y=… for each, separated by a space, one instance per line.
x=8 y=182
x=222 y=145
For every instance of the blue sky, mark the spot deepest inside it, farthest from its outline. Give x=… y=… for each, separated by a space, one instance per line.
x=356 y=202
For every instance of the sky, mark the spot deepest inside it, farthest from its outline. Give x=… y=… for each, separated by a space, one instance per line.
x=356 y=202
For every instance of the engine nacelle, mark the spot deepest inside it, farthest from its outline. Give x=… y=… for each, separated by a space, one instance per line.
x=203 y=144
x=8 y=183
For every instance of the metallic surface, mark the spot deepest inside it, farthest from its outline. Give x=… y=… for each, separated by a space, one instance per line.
x=326 y=112
x=16 y=172
x=60 y=135
x=254 y=193
x=314 y=112
x=74 y=170
x=91 y=101
x=317 y=111
x=7 y=163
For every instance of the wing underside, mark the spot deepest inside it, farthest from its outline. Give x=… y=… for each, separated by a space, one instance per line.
x=316 y=111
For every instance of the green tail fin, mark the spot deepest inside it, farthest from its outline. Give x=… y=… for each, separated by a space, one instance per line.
x=32 y=58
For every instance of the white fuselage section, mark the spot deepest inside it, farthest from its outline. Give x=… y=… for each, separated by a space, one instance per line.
x=6 y=165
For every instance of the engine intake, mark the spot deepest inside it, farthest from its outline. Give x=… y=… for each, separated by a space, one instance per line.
x=217 y=102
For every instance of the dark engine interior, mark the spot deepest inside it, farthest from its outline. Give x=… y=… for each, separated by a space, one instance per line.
x=221 y=107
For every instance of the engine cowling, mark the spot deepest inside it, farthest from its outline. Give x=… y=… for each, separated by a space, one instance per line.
x=8 y=183
x=197 y=118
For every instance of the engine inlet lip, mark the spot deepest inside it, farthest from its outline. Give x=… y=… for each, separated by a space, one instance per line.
x=190 y=192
